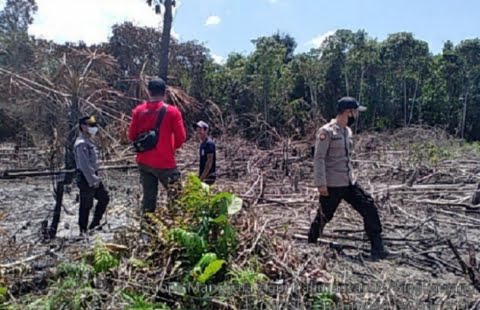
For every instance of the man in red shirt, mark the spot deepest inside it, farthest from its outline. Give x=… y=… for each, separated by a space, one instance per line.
x=157 y=164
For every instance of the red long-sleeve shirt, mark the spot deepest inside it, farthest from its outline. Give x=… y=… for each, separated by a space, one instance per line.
x=171 y=135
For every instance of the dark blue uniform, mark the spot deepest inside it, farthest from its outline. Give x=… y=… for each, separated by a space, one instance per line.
x=208 y=147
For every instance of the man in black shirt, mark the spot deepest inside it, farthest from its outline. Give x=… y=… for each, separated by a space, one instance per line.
x=207 y=172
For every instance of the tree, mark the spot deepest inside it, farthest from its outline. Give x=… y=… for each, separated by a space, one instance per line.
x=15 y=45
x=405 y=59
x=288 y=42
x=167 y=27
x=469 y=53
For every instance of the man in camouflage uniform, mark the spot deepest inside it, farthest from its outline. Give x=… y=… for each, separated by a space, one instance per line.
x=333 y=176
x=88 y=181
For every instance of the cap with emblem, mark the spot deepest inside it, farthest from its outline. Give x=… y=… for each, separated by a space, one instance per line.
x=347 y=103
x=88 y=120
x=201 y=124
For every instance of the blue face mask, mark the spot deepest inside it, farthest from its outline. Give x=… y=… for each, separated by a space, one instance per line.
x=92 y=130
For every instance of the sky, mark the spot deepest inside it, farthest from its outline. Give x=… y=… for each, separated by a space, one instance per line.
x=226 y=26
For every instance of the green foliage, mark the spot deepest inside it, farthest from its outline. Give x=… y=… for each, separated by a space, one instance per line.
x=137 y=263
x=210 y=239
x=193 y=244
x=72 y=290
x=324 y=301
x=75 y=270
x=103 y=260
x=247 y=276
x=430 y=154
x=207 y=267
x=138 y=302
x=208 y=213
x=212 y=269
x=3 y=294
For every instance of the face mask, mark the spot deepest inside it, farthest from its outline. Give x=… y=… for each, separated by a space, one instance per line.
x=351 y=121
x=92 y=130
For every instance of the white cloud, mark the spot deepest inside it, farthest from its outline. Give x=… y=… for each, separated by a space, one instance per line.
x=318 y=40
x=89 y=20
x=174 y=34
x=273 y=1
x=218 y=59
x=213 y=20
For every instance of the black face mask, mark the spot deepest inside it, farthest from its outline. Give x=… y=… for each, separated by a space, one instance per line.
x=351 y=121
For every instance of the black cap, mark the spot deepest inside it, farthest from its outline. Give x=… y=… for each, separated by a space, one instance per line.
x=347 y=103
x=157 y=86
x=87 y=120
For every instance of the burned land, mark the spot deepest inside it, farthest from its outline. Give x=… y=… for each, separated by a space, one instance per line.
x=422 y=182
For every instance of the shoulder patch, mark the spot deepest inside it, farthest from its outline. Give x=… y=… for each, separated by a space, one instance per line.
x=322 y=134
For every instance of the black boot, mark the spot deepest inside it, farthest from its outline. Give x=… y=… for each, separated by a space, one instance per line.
x=95 y=225
x=315 y=231
x=378 y=249
x=83 y=232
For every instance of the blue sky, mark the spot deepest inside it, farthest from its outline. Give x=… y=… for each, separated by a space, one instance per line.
x=230 y=25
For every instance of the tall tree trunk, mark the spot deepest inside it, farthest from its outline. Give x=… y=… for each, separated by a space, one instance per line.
x=413 y=103
x=346 y=83
x=404 y=102
x=165 y=44
x=464 y=115
x=362 y=76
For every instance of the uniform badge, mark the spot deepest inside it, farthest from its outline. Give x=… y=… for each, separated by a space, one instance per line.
x=323 y=136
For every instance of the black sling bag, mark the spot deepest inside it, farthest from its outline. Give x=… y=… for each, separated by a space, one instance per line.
x=147 y=141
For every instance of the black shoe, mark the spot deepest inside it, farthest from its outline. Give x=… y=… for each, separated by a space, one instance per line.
x=314 y=233
x=378 y=250
x=95 y=226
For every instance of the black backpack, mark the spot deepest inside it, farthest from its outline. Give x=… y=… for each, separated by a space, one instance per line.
x=147 y=141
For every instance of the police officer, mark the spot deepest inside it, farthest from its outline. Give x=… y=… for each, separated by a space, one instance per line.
x=333 y=176
x=88 y=181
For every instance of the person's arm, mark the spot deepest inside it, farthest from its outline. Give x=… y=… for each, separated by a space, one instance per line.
x=178 y=130
x=132 y=129
x=83 y=164
x=321 y=147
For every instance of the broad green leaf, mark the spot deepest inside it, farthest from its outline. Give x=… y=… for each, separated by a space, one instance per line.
x=211 y=270
x=222 y=219
x=206 y=259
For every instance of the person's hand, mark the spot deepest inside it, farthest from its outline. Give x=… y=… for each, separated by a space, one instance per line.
x=323 y=191
x=97 y=185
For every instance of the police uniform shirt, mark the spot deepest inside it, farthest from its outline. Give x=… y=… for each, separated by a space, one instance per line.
x=332 y=164
x=86 y=159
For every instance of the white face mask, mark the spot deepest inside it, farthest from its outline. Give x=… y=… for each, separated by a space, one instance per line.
x=92 y=130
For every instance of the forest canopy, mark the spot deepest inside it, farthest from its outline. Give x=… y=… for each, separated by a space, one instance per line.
x=272 y=89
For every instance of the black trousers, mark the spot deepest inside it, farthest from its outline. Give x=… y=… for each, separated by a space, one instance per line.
x=150 y=177
x=361 y=201
x=87 y=196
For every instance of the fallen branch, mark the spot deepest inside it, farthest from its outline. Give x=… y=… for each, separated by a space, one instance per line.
x=465 y=268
